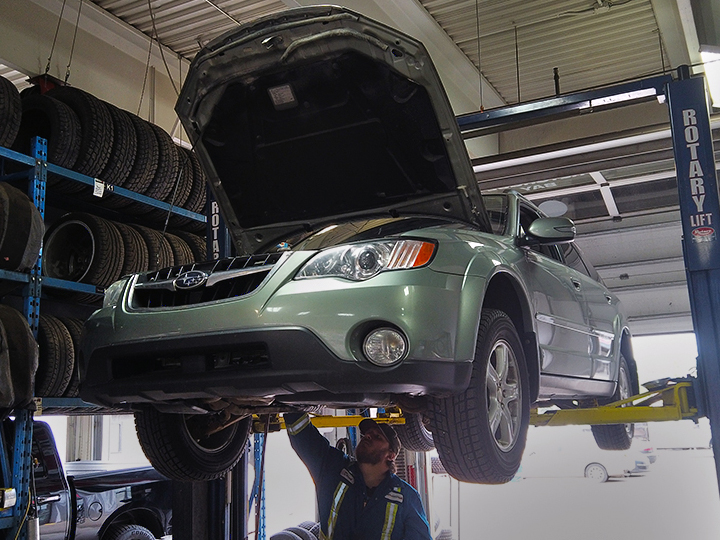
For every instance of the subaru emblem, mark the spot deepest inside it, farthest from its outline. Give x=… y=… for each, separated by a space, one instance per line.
x=190 y=280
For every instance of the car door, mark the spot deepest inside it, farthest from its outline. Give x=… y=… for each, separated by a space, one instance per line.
x=601 y=308
x=560 y=307
x=51 y=488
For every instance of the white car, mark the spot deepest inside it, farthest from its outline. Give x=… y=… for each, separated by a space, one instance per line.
x=566 y=452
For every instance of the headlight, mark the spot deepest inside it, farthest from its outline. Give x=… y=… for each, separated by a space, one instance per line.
x=363 y=261
x=114 y=292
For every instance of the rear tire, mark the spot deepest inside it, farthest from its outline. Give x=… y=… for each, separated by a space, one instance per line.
x=480 y=433
x=128 y=532
x=618 y=436
x=175 y=446
x=414 y=434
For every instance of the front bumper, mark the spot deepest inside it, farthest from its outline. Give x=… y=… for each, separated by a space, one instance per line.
x=289 y=365
x=288 y=341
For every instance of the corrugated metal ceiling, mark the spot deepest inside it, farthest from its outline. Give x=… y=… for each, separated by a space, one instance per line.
x=185 y=25
x=590 y=43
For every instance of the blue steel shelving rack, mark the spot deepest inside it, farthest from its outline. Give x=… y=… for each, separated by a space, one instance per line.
x=15 y=459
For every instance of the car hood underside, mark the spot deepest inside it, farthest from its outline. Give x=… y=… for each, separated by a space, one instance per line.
x=319 y=114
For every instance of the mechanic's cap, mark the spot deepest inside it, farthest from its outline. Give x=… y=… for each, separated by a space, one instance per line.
x=386 y=429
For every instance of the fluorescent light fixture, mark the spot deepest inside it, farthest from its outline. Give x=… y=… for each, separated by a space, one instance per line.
x=627 y=96
x=711 y=60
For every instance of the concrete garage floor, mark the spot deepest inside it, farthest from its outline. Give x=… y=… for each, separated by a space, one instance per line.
x=677 y=499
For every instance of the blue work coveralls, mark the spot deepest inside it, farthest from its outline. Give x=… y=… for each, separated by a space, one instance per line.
x=393 y=512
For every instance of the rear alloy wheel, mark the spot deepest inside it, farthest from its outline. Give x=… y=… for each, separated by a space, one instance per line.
x=618 y=436
x=597 y=473
x=414 y=434
x=181 y=447
x=480 y=434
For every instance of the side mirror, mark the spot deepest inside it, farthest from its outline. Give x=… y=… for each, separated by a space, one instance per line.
x=556 y=230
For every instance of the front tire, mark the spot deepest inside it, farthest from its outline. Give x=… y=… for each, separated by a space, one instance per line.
x=480 y=433
x=618 y=436
x=177 y=446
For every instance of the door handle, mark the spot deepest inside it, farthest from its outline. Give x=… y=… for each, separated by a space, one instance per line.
x=576 y=284
x=608 y=298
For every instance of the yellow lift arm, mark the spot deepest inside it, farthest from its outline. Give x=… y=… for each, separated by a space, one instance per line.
x=672 y=399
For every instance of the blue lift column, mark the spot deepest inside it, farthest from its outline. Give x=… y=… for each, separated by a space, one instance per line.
x=700 y=214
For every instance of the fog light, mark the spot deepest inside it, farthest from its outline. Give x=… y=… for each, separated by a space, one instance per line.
x=385 y=346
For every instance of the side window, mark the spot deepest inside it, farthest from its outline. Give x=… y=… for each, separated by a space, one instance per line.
x=527 y=216
x=574 y=259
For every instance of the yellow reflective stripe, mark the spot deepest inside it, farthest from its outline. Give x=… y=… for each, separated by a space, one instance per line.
x=390 y=513
x=300 y=424
x=337 y=501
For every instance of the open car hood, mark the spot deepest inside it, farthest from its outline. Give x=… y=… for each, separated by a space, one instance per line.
x=318 y=114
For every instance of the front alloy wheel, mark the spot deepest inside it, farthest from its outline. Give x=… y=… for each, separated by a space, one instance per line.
x=504 y=396
x=480 y=433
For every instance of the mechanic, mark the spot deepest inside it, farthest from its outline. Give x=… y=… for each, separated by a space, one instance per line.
x=359 y=499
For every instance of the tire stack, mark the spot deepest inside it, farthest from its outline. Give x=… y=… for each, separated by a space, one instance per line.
x=97 y=139
x=89 y=249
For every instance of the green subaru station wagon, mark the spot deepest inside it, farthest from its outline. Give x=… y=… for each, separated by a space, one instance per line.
x=369 y=269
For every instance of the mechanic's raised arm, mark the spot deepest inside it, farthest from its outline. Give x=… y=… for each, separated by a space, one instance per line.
x=312 y=448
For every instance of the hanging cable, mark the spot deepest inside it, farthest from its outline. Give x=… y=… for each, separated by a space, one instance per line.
x=213 y=4
x=517 y=64
x=57 y=30
x=72 y=47
x=147 y=70
x=477 y=31
x=162 y=54
x=662 y=56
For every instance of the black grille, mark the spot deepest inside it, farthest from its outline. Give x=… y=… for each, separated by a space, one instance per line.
x=245 y=356
x=225 y=280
